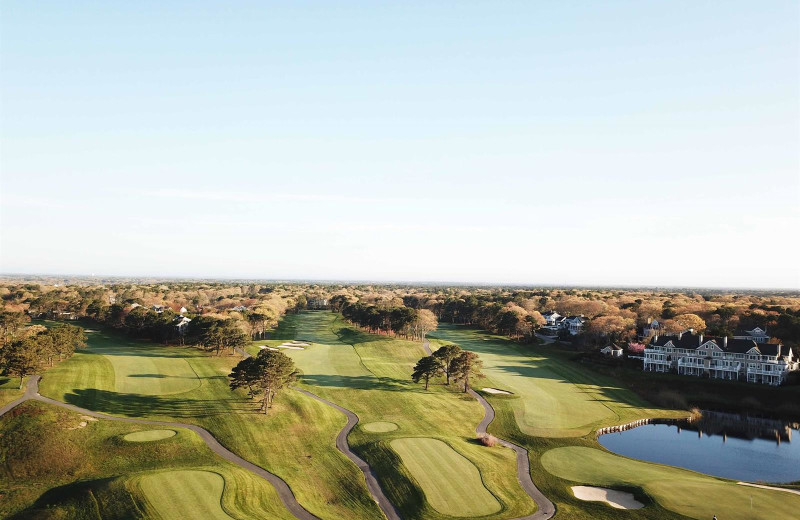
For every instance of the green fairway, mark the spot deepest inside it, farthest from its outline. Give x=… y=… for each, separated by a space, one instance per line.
x=451 y=483
x=373 y=379
x=144 y=368
x=685 y=492
x=184 y=494
x=296 y=440
x=149 y=435
x=557 y=398
x=380 y=427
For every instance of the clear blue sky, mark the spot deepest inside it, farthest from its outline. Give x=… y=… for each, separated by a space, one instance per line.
x=530 y=142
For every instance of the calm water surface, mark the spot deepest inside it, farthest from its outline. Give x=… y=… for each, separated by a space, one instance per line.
x=720 y=454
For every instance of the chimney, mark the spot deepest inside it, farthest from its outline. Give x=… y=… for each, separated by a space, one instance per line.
x=680 y=335
x=701 y=339
x=725 y=342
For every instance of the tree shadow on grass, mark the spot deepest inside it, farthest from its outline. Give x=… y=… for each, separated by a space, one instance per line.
x=140 y=405
x=354 y=382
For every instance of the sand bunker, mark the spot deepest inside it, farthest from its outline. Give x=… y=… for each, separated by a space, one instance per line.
x=380 y=427
x=149 y=435
x=495 y=391
x=292 y=346
x=616 y=499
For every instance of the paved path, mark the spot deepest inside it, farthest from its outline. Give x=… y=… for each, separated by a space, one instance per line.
x=369 y=475
x=342 y=445
x=545 y=508
x=284 y=492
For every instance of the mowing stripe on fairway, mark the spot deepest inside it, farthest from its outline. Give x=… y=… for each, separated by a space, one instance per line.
x=185 y=494
x=451 y=483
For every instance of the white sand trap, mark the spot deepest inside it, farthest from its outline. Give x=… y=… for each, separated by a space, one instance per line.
x=616 y=499
x=291 y=346
x=785 y=490
x=495 y=391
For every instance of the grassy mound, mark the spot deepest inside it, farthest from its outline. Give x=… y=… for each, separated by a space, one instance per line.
x=149 y=435
x=682 y=491
x=380 y=427
x=184 y=494
x=52 y=470
x=451 y=483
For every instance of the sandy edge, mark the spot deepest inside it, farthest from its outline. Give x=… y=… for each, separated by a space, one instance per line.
x=614 y=498
x=496 y=391
x=795 y=491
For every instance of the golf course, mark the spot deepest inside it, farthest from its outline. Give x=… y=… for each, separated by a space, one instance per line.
x=572 y=403
x=419 y=445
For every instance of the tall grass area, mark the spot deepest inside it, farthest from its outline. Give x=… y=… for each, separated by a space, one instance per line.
x=54 y=468
x=370 y=375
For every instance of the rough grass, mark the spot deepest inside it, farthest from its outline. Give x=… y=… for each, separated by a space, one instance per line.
x=184 y=494
x=52 y=471
x=296 y=440
x=557 y=398
x=451 y=483
x=379 y=389
x=685 y=492
x=9 y=389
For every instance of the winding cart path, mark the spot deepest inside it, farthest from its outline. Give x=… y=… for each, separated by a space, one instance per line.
x=342 y=445
x=284 y=492
x=545 y=508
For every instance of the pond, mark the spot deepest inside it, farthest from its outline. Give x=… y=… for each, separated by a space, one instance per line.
x=719 y=444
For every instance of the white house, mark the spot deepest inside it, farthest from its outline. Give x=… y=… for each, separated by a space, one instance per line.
x=758 y=335
x=574 y=324
x=183 y=310
x=652 y=328
x=720 y=358
x=181 y=324
x=239 y=308
x=612 y=350
x=551 y=318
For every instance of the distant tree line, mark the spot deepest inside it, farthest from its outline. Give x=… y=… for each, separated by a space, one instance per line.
x=398 y=320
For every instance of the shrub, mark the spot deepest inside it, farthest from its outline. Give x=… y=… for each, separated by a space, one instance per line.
x=487 y=440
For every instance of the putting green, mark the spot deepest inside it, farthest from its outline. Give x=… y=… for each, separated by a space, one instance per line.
x=451 y=483
x=185 y=494
x=149 y=435
x=557 y=398
x=380 y=427
x=685 y=492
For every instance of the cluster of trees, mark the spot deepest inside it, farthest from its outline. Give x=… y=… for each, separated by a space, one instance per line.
x=215 y=334
x=397 y=320
x=25 y=350
x=451 y=361
x=264 y=376
x=517 y=319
